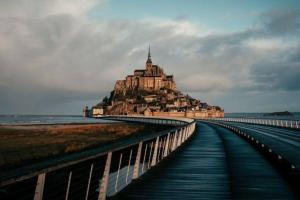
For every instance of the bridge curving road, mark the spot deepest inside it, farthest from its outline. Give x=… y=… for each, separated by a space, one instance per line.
x=285 y=142
x=216 y=164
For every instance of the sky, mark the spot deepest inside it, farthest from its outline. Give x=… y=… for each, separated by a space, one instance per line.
x=57 y=56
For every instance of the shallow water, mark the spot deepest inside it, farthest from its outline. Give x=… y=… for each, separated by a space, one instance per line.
x=47 y=119
x=295 y=116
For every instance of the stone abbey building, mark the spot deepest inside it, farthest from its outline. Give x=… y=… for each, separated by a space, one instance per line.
x=151 y=92
x=152 y=78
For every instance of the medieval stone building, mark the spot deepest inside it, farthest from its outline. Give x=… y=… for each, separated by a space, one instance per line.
x=151 y=92
x=152 y=78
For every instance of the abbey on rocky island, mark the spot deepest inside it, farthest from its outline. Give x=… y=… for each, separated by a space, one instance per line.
x=152 y=78
x=151 y=92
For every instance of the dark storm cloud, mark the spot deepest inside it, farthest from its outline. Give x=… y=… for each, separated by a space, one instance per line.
x=281 y=22
x=281 y=73
x=294 y=55
x=52 y=54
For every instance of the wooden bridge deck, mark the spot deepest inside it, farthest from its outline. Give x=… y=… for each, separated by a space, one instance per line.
x=216 y=164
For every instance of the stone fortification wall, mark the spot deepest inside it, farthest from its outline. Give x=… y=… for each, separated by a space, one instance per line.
x=190 y=114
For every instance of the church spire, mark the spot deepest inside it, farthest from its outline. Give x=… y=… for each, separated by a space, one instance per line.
x=149 y=56
x=149 y=52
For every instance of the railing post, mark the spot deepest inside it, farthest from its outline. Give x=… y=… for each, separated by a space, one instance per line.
x=118 y=173
x=39 y=190
x=159 y=149
x=89 y=182
x=145 y=153
x=293 y=124
x=150 y=155
x=105 y=178
x=162 y=151
x=174 y=141
x=153 y=163
x=180 y=136
x=194 y=126
x=191 y=130
x=184 y=133
x=170 y=143
x=128 y=167
x=137 y=162
x=164 y=147
x=68 y=186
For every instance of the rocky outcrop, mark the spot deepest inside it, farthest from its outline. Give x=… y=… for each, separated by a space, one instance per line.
x=153 y=93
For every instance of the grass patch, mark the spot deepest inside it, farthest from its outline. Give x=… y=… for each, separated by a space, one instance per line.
x=21 y=144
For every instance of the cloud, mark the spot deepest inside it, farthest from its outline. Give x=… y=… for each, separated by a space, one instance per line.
x=52 y=53
x=203 y=83
x=281 y=22
x=281 y=73
x=38 y=9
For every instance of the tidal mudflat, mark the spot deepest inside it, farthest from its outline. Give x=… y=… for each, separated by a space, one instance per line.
x=21 y=144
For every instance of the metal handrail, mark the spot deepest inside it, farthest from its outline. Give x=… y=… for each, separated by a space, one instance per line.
x=294 y=124
x=162 y=144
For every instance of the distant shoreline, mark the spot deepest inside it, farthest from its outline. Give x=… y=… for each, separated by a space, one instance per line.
x=283 y=113
x=48 y=119
x=63 y=123
x=254 y=112
x=294 y=116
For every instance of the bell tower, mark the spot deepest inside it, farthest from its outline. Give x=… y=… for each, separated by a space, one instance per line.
x=149 y=61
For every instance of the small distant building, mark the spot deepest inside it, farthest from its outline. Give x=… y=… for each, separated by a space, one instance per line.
x=150 y=98
x=148 y=112
x=86 y=112
x=97 y=111
x=140 y=108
